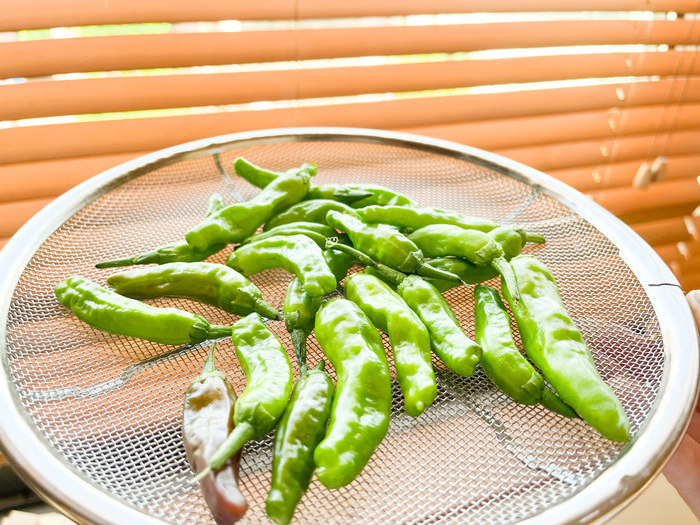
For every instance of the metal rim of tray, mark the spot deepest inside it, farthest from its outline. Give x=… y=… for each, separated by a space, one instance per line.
x=70 y=492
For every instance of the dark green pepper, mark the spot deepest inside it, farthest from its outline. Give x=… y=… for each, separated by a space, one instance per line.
x=260 y=177
x=469 y=273
x=362 y=402
x=269 y=383
x=239 y=221
x=307 y=211
x=301 y=429
x=207 y=420
x=409 y=338
x=295 y=253
x=299 y=314
x=208 y=283
x=121 y=315
x=554 y=343
x=386 y=245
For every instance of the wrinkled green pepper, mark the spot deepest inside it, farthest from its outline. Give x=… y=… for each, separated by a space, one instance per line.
x=301 y=429
x=121 y=315
x=208 y=283
x=295 y=253
x=359 y=195
x=314 y=231
x=555 y=345
x=207 y=420
x=299 y=314
x=361 y=406
x=415 y=218
x=307 y=211
x=261 y=177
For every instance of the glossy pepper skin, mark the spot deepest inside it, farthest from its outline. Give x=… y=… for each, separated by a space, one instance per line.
x=469 y=273
x=208 y=283
x=386 y=245
x=207 y=420
x=314 y=210
x=261 y=177
x=314 y=231
x=409 y=338
x=554 y=343
x=361 y=406
x=269 y=383
x=239 y=221
x=360 y=195
x=415 y=218
x=299 y=314
x=301 y=429
x=295 y=253
x=121 y=315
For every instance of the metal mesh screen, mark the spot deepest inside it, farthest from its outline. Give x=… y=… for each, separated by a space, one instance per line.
x=110 y=406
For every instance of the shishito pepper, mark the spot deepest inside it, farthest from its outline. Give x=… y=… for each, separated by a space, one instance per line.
x=121 y=315
x=261 y=177
x=408 y=336
x=314 y=231
x=359 y=195
x=209 y=283
x=207 y=420
x=269 y=383
x=239 y=221
x=469 y=273
x=301 y=429
x=295 y=253
x=415 y=218
x=314 y=210
x=299 y=314
x=362 y=403
x=554 y=343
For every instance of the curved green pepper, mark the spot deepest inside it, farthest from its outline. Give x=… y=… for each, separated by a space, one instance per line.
x=359 y=195
x=299 y=314
x=295 y=253
x=469 y=273
x=362 y=402
x=307 y=211
x=121 y=315
x=301 y=429
x=239 y=221
x=209 y=283
x=415 y=218
x=338 y=262
x=269 y=383
x=554 y=343
x=314 y=231
x=409 y=338
x=260 y=177
x=386 y=245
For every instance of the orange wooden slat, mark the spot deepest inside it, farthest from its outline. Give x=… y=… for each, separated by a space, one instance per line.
x=692 y=222
x=690 y=250
x=619 y=174
x=107 y=53
x=87 y=139
x=97 y=95
x=14 y=214
x=668 y=252
x=35 y=180
x=39 y=14
x=663 y=232
x=627 y=201
x=679 y=209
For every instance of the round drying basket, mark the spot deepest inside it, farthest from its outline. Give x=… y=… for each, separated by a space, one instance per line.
x=92 y=421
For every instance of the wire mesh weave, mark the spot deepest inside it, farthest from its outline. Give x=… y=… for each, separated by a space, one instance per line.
x=110 y=406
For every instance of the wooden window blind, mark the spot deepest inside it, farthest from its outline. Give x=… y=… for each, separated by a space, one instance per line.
x=586 y=91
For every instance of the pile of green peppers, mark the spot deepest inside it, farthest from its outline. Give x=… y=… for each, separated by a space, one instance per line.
x=407 y=256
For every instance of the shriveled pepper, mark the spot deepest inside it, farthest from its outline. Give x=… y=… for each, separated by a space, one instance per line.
x=209 y=283
x=239 y=221
x=301 y=429
x=299 y=314
x=307 y=211
x=386 y=245
x=409 y=338
x=501 y=359
x=261 y=177
x=121 y=315
x=269 y=383
x=361 y=406
x=554 y=343
x=207 y=420
x=295 y=253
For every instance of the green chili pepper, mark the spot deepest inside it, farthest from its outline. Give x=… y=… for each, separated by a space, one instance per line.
x=239 y=221
x=269 y=383
x=314 y=231
x=360 y=195
x=513 y=239
x=338 y=262
x=295 y=253
x=307 y=211
x=121 y=315
x=386 y=245
x=362 y=402
x=415 y=218
x=409 y=338
x=479 y=248
x=175 y=252
x=208 y=283
x=299 y=314
x=261 y=177
x=554 y=343
x=301 y=429
x=447 y=339
x=207 y=420
x=469 y=273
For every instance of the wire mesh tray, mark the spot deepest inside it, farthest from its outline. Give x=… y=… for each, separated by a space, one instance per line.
x=92 y=420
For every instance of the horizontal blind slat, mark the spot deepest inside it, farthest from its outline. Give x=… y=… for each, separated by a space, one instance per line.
x=14 y=214
x=40 y=14
x=663 y=232
x=108 y=53
x=97 y=95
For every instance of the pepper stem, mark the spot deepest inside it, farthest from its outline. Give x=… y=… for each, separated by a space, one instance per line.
x=117 y=263
x=504 y=268
x=425 y=270
x=534 y=237
x=217 y=331
x=266 y=310
x=239 y=436
x=393 y=276
x=209 y=366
